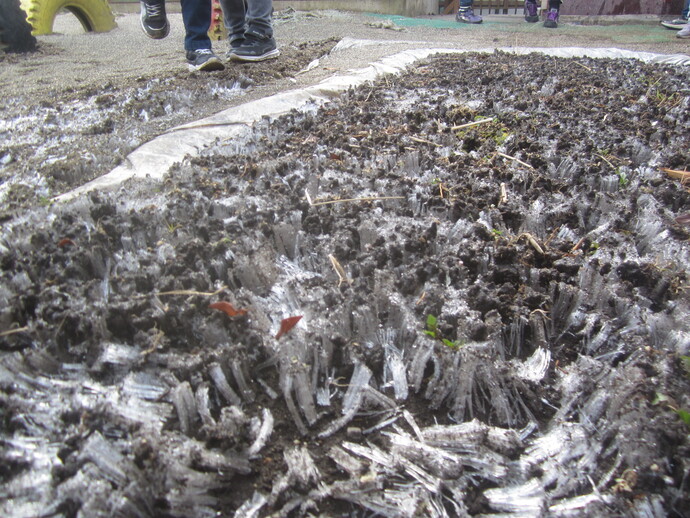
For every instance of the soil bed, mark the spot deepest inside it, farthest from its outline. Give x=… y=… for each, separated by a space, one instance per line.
x=488 y=274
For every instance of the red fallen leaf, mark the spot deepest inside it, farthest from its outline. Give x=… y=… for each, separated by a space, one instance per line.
x=65 y=242
x=228 y=309
x=286 y=324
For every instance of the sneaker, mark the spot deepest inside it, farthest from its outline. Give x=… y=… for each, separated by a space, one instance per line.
x=154 y=23
x=684 y=32
x=255 y=47
x=203 y=59
x=531 y=13
x=551 y=19
x=234 y=45
x=676 y=24
x=467 y=16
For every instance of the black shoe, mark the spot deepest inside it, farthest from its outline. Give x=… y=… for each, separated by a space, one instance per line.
x=234 y=45
x=153 y=20
x=203 y=59
x=256 y=47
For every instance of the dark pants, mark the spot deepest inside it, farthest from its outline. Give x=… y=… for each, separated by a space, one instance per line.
x=252 y=15
x=196 y=15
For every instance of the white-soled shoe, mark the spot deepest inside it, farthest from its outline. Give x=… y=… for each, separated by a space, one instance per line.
x=684 y=32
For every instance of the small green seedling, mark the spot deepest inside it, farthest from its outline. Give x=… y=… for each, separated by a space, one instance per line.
x=433 y=331
x=623 y=180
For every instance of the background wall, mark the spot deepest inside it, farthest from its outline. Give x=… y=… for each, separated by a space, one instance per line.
x=611 y=7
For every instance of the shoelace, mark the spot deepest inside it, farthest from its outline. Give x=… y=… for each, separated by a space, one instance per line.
x=204 y=51
x=153 y=11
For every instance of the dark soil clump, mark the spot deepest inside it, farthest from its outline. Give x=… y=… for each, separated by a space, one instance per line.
x=485 y=271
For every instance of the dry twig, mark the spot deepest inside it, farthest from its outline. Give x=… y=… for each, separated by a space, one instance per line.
x=186 y=293
x=515 y=159
x=348 y=200
x=14 y=331
x=339 y=270
x=424 y=141
x=504 y=195
x=532 y=241
x=470 y=124
x=677 y=174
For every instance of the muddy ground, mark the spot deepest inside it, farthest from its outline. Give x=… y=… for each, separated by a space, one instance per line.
x=458 y=292
x=59 y=138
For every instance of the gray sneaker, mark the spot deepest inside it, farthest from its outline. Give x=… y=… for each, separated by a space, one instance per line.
x=684 y=32
x=204 y=60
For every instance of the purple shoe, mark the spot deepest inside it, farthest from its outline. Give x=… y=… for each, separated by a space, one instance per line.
x=531 y=13
x=551 y=19
x=467 y=16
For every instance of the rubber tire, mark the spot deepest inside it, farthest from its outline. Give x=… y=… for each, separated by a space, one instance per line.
x=15 y=31
x=94 y=15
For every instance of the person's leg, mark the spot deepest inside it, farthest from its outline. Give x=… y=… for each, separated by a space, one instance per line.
x=259 y=17
x=466 y=13
x=552 y=15
x=686 y=10
x=258 y=42
x=531 y=11
x=234 y=18
x=196 y=16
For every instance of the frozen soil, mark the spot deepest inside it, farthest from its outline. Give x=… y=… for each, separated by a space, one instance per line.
x=493 y=315
x=54 y=139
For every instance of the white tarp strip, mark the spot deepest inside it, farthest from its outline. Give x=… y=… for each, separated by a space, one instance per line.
x=154 y=159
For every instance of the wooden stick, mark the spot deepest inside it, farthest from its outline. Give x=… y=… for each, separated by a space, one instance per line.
x=425 y=141
x=187 y=293
x=342 y=276
x=515 y=159
x=607 y=161
x=347 y=200
x=14 y=331
x=504 y=195
x=583 y=66
x=470 y=124
x=678 y=175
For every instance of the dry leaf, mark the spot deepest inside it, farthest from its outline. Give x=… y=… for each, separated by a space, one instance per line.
x=228 y=309
x=66 y=242
x=286 y=324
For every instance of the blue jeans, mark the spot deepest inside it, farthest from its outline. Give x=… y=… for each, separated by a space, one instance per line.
x=196 y=16
x=242 y=15
x=686 y=9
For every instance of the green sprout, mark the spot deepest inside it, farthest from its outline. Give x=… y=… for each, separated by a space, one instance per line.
x=622 y=178
x=433 y=331
x=172 y=227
